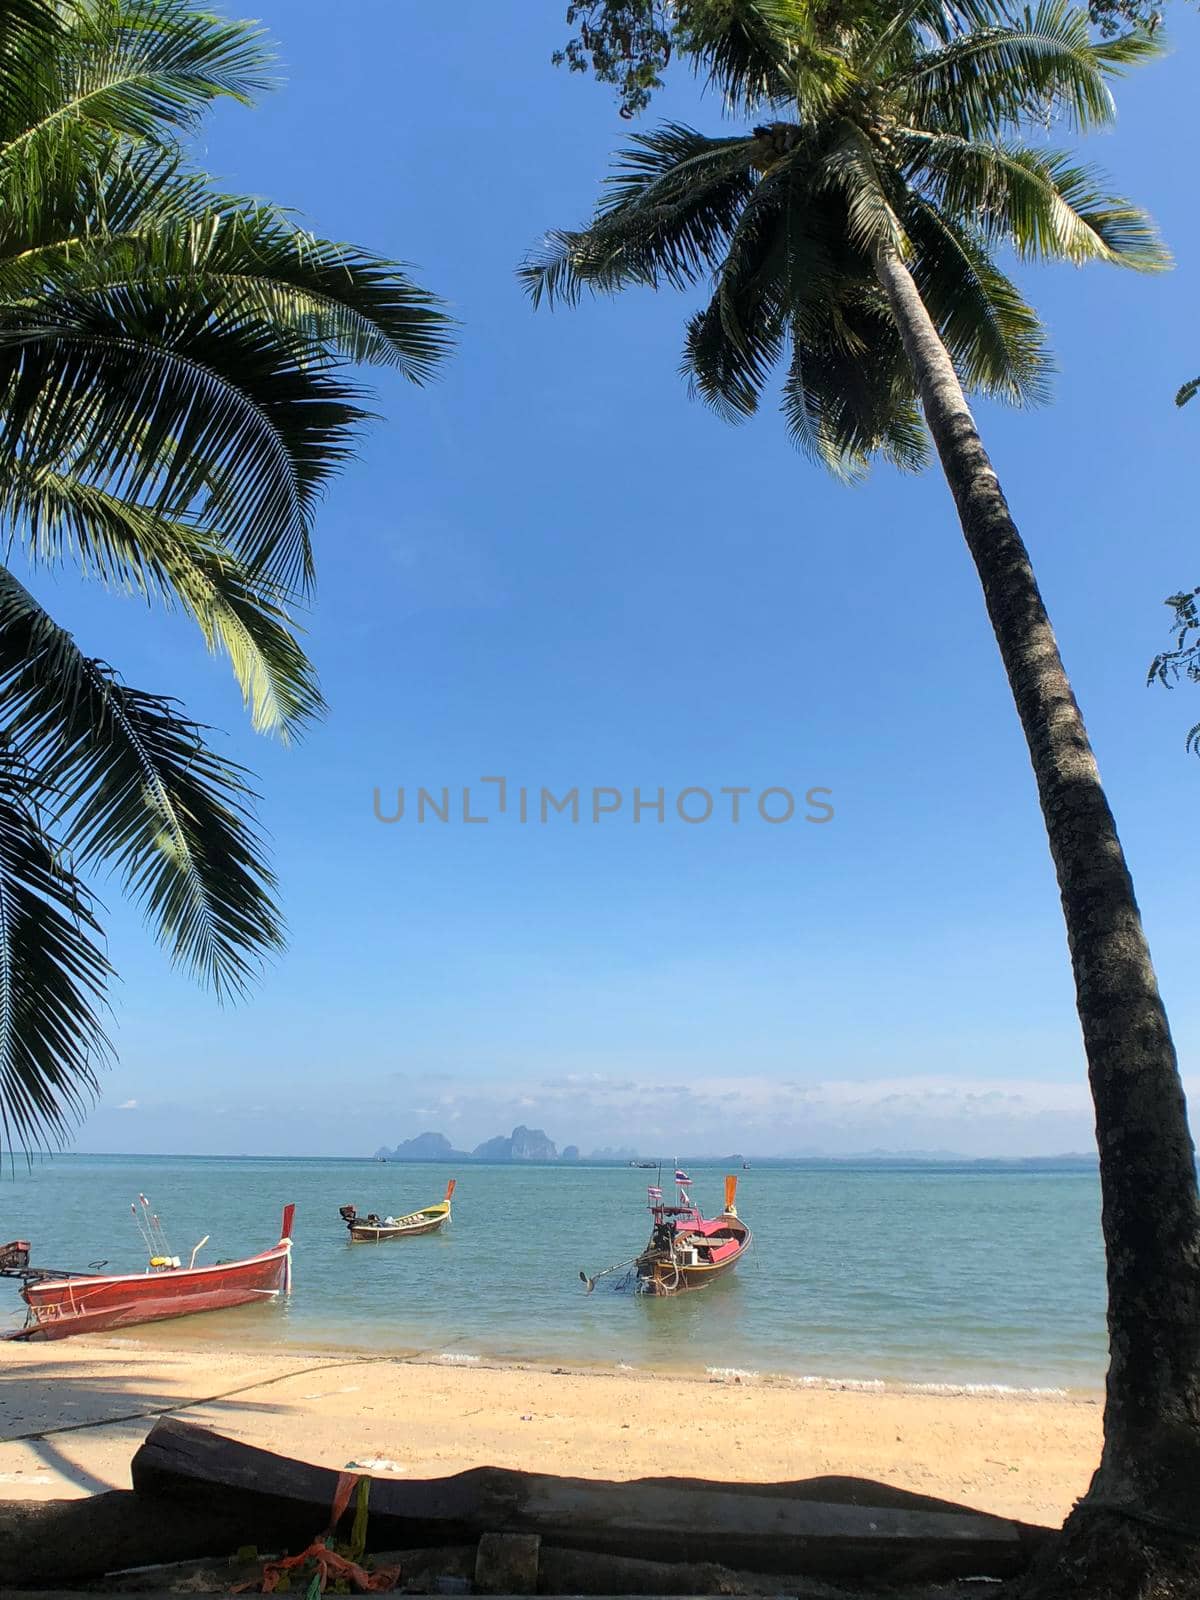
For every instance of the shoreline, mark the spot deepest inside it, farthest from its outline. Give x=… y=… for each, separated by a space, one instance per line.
x=173 y=1337
x=72 y=1413
x=154 y=1337
x=136 y=1340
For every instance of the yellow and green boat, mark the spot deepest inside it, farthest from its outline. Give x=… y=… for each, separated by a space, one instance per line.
x=373 y=1229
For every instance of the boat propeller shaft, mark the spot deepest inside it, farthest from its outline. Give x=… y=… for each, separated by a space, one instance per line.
x=591 y=1282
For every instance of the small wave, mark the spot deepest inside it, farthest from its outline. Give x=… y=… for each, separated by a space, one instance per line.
x=878 y=1385
x=813 y=1381
x=730 y=1372
x=458 y=1358
x=988 y=1388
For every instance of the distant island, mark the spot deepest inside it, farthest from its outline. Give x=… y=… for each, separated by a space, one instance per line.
x=522 y=1144
x=534 y=1145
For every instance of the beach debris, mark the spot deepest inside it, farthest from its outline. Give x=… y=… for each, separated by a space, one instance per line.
x=325 y=1560
x=375 y=1464
x=326 y=1566
x=358 y=1532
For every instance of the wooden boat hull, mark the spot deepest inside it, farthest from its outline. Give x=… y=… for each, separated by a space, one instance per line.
x=662 y=1274
x=60 y=1307
x=362 y=1233
x=375 y=1230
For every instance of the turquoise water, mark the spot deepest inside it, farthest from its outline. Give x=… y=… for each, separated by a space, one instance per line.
x=938 y=1274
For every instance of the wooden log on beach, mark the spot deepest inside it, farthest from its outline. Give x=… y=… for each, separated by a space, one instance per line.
x=68 y=1541
x=759 y=1527
x=507 y=1563
x=583 y=1572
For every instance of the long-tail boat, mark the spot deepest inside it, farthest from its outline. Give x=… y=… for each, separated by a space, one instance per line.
x=371 y=1229
x=62 y=1303
x=686 y=1250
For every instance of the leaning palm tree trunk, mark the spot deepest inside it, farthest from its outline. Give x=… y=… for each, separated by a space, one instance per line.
x=1151 y=1209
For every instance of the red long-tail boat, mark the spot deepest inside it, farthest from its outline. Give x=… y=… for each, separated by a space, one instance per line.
x=686 y=1250
x=63 y=1303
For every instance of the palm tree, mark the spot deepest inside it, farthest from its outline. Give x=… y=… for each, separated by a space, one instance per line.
x=173 y=400
x=852 y=235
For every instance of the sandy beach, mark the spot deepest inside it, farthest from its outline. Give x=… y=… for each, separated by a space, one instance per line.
x=73 y=1413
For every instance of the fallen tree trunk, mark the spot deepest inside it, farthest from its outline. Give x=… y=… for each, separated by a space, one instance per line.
x=580 y=1572
x=763 y=1528
x=67 y=1541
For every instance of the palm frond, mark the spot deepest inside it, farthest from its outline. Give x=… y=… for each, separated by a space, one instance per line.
x=849 y=394
x=179 y=237
x=994 y=338
x=31 y=34
x=53 y=980
x=120 y=74
x=728 y=370
x=175 y=399
x=185 y=349
x=670 y=206
x=1189 y=391
x=1042 y=66
x=763 y=53
x=89 y=202
x=249 y=621
x=125 y=546
x=849 y=166
x=142 y=69
x=903 y=31
x=776 y=273
x=1041 y=202
x=135 y=789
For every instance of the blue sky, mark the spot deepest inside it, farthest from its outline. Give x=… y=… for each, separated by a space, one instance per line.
x=555 y=567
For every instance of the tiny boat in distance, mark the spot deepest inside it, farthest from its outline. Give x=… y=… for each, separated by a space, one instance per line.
x=686 y=1250
x=62 y=1303
x=372 y=1229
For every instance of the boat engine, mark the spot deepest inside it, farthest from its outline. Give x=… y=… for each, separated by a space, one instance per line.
x=348 y=1214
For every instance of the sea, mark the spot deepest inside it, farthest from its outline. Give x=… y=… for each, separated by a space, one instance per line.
x=952 y=1275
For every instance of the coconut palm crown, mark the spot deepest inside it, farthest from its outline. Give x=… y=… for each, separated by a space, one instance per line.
x=173 y=401
x=882 y=129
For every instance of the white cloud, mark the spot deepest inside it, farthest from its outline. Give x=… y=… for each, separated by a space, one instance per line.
x=770 y=1116
x=668 y=1112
